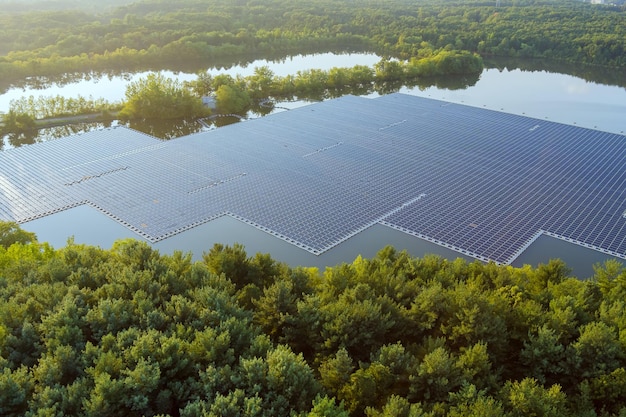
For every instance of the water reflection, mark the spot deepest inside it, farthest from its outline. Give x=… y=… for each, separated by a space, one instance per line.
x=15 y=140
x=171 y=129
x=225 y=64
x=458 y=82
x=596 y=74
x=166 y=129
x=500 y=87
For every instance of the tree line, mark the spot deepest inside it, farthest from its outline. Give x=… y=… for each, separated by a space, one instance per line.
x=159 y=98
x=59 y=106
x=149 y=33
x=87 y=331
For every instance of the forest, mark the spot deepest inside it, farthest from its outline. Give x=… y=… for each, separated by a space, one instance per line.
x=52 y=5
x=86 y=331
x=192 y=33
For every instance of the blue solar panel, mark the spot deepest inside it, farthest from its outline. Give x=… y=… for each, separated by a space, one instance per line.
x=481 y=182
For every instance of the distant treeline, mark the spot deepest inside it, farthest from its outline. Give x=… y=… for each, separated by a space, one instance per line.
x=20 y=6
x=150 y=33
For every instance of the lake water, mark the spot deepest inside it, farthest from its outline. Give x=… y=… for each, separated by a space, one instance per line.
x=543 y=95
x=539 y=94
x=113 y=88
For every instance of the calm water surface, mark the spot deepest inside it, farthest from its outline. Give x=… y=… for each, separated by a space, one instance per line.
x=543 y=95
x=112 y=89
x=539 y=94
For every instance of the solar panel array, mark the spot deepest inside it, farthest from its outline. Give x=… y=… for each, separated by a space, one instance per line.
x=481 y=182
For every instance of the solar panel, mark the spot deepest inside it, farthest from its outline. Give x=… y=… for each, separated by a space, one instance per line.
x=481 y=182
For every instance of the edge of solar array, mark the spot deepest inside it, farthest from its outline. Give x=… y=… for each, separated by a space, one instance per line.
x=439 y=242
x=585 y=245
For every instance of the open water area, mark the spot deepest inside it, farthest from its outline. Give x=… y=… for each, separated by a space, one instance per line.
x=541 y=94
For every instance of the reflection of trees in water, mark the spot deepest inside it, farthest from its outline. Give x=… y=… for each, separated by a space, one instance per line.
x=15 y=140
x=170 y=129
x=597 y=74
x=58 y=132
x=225 y=121
x=592 y=73
x=166 y=129
x=263 y=107
x=450 y=82
x=185 y=66
x=457 y=82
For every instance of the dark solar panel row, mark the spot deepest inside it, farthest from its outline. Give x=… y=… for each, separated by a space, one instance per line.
x=570 y=154
x=481 y=182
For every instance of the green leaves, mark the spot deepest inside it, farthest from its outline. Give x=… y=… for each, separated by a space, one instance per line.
x=11 y=233
x=611 y=279
x=528 y=398
x=598 y=349
x=15 y=390
x=545 y=356
x=232 y=99
x=158 y=97
x=85 y=331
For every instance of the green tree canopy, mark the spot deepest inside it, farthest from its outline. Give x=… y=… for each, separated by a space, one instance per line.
x=232 y=99
x=11 y=232
x=128 y=331
x=158 y=97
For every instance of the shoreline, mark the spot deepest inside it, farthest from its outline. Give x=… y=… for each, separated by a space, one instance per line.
x=81 y=118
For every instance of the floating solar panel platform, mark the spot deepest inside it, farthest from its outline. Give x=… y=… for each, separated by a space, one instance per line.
x=483 y=183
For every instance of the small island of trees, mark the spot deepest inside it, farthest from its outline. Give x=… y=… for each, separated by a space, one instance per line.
x=86 y=331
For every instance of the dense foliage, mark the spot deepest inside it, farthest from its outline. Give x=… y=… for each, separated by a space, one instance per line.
x=127 y=331
x=152 y=32
x=30 y=5
x=158 y=97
